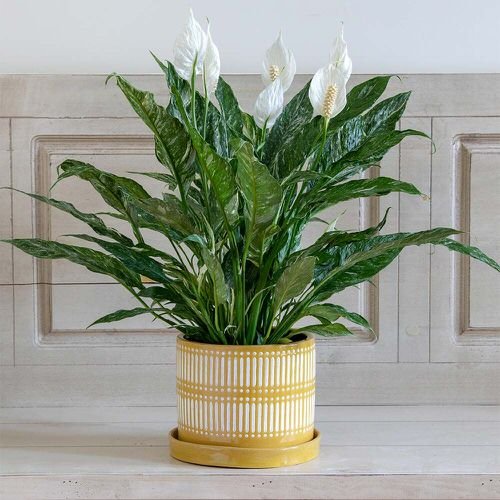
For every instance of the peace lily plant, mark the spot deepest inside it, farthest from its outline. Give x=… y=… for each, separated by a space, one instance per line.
x=239 y=191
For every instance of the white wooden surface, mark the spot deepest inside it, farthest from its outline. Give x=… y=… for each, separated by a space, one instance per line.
x=437 y=324
x=366 y=452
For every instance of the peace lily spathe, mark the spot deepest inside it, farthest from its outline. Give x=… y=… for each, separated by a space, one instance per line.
x=279 y=63
x=269 y=104
x=278 y=70
x=190 y=47
x=211 y=64
x=327 y=91
x=339 y=56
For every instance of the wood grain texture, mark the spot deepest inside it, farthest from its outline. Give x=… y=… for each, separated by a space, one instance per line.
x=161 y=414
x=433 y=95
x=414 y=262
x=6 y=325
x=337 y=433
x=337 y=384
x=367 y=452
x=452 y=337
x=5 y=203
x=271 y=486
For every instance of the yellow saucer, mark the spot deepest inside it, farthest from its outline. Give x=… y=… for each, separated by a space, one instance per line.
x=245 y=458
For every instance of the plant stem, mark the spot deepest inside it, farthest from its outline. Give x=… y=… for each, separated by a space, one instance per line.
x=207 y=102
x=137 y=233
x=315 y=162
x=136 y=295
x=262 y=138
x=193 y=92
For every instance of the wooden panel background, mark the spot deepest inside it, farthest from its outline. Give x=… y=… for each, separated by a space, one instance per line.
x=436 y=315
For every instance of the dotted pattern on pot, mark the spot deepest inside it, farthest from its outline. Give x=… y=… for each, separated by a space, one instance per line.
x=246 y=395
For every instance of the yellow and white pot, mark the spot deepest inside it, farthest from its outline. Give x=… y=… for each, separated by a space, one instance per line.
x=245 y=406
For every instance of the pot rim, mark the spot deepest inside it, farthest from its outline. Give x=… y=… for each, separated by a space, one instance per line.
x=290 y=345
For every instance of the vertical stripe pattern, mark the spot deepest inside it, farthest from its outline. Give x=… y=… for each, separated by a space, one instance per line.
x=246 y=395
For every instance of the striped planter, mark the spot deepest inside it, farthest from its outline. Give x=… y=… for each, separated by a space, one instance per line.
x=246 y=396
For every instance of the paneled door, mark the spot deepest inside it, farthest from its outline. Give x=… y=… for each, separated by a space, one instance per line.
x=436 y=315
x=466 y=190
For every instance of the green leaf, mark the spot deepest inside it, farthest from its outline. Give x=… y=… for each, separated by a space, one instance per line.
x=361 y=97
x=327 y=330
x=294 y=280
x=360 y=188
x=168 y=179
x=183 y=311
x=250 y=128
x=94 y=222
x=471 y=251
x=353 y=274
x=217 y=169
x=229 y=106
x=305 y=176
x=93 y=260
x=173 y=146
x=363 y=140
x=119 y=315
x=331 y=312
x=115 y=190
x=295 y=151
x=346 y=265
x=175 y=81
x=294 y=116
x=384 y=116
x=160 y=294
x=216 y=274
x=132 y=259
x=370 y=153
x=215 y=129
x=261 y=192
x=219 y=172
x=267 y=236
x=169 y=212
x=344 y=135
x=332 y=239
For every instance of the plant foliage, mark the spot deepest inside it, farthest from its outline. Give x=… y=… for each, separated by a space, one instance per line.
x=236 y=202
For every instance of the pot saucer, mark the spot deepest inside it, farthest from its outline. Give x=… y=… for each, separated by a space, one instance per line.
x=246 y=458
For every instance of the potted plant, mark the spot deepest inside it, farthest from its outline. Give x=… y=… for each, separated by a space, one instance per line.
x=239 y=191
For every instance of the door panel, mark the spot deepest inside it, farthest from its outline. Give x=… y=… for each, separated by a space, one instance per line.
x=465 y=318
x=414 y=262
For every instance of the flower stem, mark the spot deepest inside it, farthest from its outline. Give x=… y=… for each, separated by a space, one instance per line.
x=322 y=146
x=207 y=102
x=262 y=139
x=193 y=92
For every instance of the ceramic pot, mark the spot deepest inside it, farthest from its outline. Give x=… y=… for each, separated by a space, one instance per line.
x=246 y=396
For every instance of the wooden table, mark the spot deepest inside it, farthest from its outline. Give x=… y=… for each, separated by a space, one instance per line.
x=367 y=452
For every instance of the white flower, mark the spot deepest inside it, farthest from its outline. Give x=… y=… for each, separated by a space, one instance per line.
x=278 y=63
x=189 y=47
x=269 y=104
x=327 y=91
x=211 y=64
x=339 y=56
